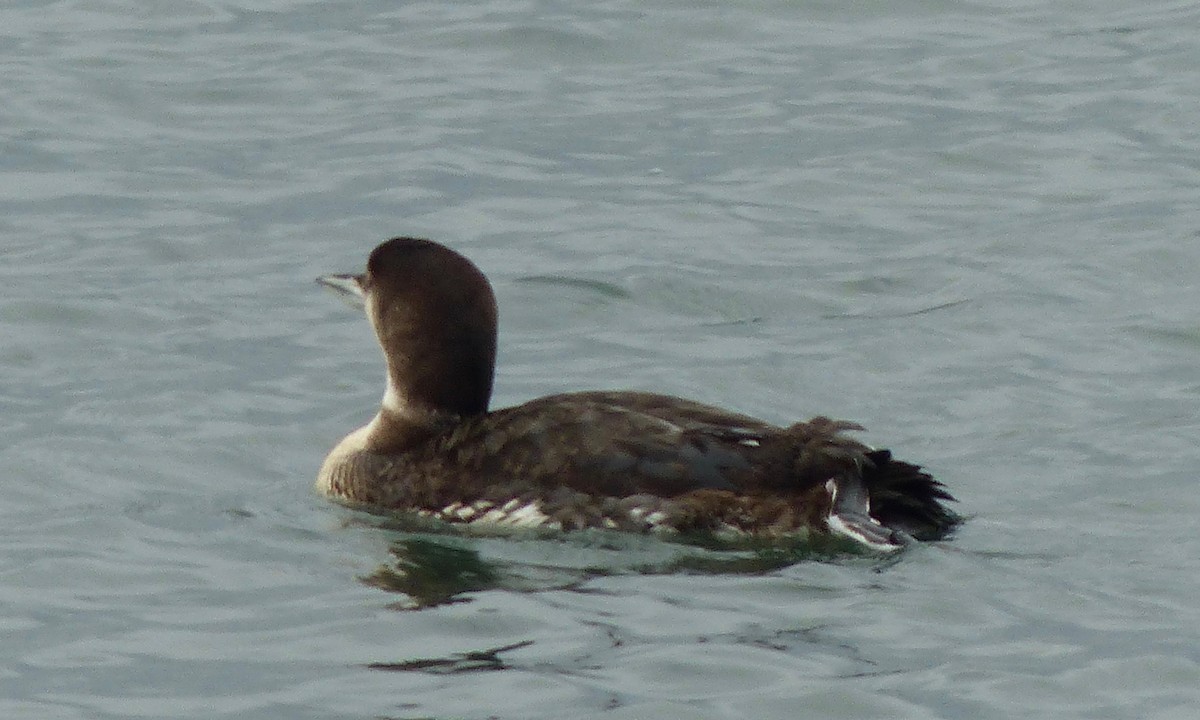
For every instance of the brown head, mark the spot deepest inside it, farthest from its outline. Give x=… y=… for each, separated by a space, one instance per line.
x=435 y=316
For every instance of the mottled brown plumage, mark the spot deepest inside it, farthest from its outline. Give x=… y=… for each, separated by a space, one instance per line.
x=625 y=460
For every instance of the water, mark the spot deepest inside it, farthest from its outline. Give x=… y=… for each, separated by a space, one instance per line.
x=971 y=227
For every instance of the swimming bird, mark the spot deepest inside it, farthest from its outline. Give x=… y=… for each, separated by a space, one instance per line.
x=623 y=460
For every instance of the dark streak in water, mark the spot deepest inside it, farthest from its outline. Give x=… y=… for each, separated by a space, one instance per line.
x=598 y=287
x=880 y=316
x=459 y=662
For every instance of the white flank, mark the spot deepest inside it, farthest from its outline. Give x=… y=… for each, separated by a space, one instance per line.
x=656 y=518
x=510 y=514
x=491 y=517
x=527 y=516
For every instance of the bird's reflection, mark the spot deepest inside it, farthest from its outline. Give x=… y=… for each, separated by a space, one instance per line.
x=431 y=569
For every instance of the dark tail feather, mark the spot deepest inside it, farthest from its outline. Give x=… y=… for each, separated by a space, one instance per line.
x=905 y=497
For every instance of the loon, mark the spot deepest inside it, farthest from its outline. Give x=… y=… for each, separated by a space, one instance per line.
x=622 y=460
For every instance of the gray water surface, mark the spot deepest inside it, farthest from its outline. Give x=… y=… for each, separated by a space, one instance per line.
x=971 y=227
